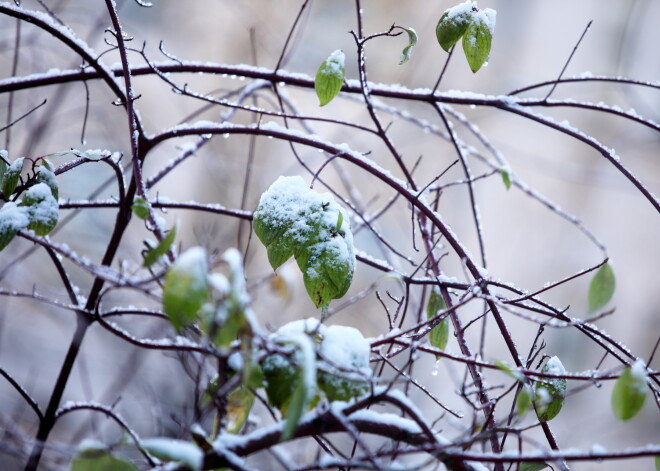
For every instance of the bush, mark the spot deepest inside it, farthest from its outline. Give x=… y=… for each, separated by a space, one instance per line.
x=419 y=326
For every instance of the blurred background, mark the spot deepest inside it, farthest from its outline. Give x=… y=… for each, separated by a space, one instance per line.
x=526 y=243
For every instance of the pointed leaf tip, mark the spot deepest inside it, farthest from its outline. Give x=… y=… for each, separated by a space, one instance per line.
x=330 y=77
x=630 y=392
x=477 y=40
x=601 y=288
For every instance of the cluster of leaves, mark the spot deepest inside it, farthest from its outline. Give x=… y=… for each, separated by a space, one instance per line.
x=38 y=209
x=473 y=25
x=294 y=221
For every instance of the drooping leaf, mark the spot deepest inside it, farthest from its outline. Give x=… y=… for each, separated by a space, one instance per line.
x=152 y=255
x=506 y=178
x=330 y=77
x=13 y=219
x=412 y=40
x=550 y=392
x=629 y=393
x=186 y=288
x=601 y=288
x=305 y=388
x=453 y=23
x=11 y=176
x=140 y=208
x=280 y=377
x=478 y=38
x=177 y=451
x=42 y=209
x=533 y=466
x=327 y=273
x=93 y=456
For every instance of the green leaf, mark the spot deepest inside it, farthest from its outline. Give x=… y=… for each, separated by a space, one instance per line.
x=11 y=177
x=412 y=40
x=178 y=451
x=524 y=400
x=506 y=178
x=140 y=208
x=326 y=274
x=630 y=392
x=453 y=24
x=657 y=463
x=477 y=40
x=152 y=255
x=42 y=209
x=340 y=221
x=601 y=288
x=439 y=335
x=436 y=303
x=47 y=176
x=13 y=218
x=3 y=165
x=533 y=466
x=550 y=393
x=280 y=377
x=93 y=456
x=186 y=288
x=330 y=77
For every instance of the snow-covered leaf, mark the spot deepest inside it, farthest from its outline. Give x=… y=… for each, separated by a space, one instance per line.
x=280 y=377
x=140 y=207
x=630 y=392
x=550 y=392
x=330 y=77
x=93 y=456
x=13 y=219
x=478 y=38
x=186 y=288
x=178 y=451
x=11 y=176
x=152 y=255
x=47 y=176
x=601 y=288
x=3 y=166
x=41 y=208
x=344 y=372
x=453 y=23
x=412 y=40
x=293 y=220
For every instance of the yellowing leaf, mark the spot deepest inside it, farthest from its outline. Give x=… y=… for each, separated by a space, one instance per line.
x=330 y=77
